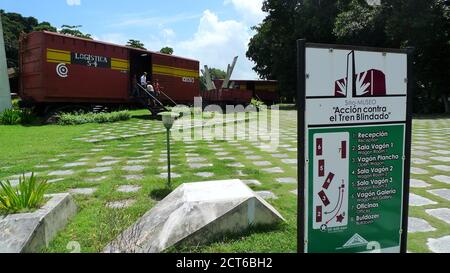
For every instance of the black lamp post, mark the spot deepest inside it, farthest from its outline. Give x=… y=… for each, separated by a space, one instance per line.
x=168 y=118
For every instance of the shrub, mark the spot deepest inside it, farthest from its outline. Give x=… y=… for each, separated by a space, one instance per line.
x=28 y=195
x=257 y=103
x=81 y=118
x=10 y=117
x=16 y=116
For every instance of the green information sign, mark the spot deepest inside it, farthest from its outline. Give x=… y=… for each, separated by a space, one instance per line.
x=355 y=126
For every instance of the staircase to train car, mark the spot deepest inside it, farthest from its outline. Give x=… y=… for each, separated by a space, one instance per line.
x=150 y=101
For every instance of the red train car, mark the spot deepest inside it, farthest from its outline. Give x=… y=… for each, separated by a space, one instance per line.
x=264 y=90
x=242 y=91
x=59 y=70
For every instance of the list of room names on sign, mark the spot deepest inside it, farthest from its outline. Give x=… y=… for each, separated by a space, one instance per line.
x=376 y=173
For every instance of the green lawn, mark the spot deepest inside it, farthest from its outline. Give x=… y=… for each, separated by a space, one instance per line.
x=45 y=149
x=141 y=142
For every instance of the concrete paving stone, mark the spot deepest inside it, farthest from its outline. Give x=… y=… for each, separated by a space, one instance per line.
x=128 y=188
x=61 y=172
x=240 y=173
x=133 y=177
x=248 y=152
x=441 y=158
x=417 y=183
x=266 y=194
x=226 y=158
x=287 y=180
x=143 y=156
x=236 y=165
x=55 y=180
x=83 y=191
x=262 y=163
x=133 y=168
x=291 y=161
x=419 y=225
x=439 y=245
x=421 y=153
x=418 y=201
x=419 y=161
x=222 y=153
x=96 y=179
x=107 y=163
x=416 y=170
x=279 y=155
x=442 y=178
x=53 y=160
x=99 y=170
x=84 y=159
x=253 y=157
x=252 y=182
x=204 y=174
x=97 y=150
x=42 y=166
x=291 y=149
x=164 y=168
x=273 y=170
x=444 y=168
x=442 y=193
x=120 y=204
x=294 y=192
x=442 y=214
x=137 y=161
x=196 y=159
x=172 y=175
x=199 y=165
x=441 y=152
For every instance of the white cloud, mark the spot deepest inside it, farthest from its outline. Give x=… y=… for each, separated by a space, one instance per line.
x=114 y=38
x=250 y=10
x=168 y=34
x=216 y=43
x=147 y=20
x=73 y=2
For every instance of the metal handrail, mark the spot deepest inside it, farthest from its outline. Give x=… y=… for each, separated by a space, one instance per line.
x=148 y=93
x=175 y=104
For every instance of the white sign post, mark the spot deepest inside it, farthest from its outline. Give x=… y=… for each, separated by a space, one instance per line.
x=5 y=92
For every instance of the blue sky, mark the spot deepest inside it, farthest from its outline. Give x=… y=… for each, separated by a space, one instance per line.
x=212 y=31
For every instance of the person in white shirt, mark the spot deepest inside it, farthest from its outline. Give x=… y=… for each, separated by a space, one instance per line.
x=144 y=79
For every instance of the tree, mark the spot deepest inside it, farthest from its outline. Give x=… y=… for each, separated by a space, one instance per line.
x=167 y=50
x=45 y=26
x=423 y=25
x=273 y=47
x=74 y=31
x=135 y=44
x=13 y=25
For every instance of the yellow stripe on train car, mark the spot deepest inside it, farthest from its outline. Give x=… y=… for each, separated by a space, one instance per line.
x=119 y=64
x=174 y=71
x=58 y=56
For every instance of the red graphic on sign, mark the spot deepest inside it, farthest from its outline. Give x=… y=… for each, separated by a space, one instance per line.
x=321 y=167
x=328 y=181
x=343 y=149
x=319 y=146
x=340 y=218
x=318 y=214
x=324 y=198
x=371 y=82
